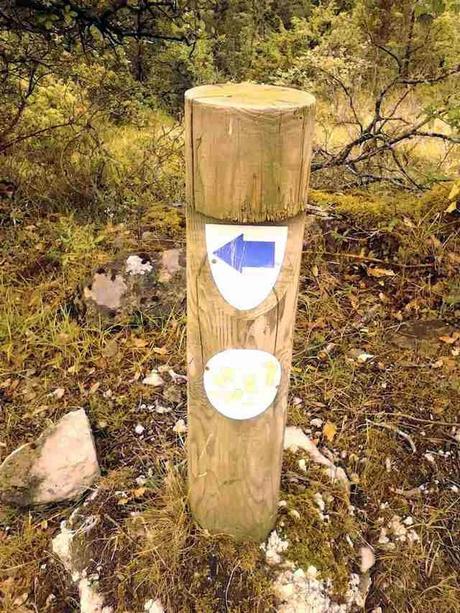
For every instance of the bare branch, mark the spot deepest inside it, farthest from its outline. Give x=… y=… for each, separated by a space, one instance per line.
x=432 y=80
x=446 y=137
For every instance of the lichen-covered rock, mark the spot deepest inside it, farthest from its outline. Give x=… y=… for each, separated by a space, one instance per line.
x=153 y=284
x=422 y=335
x=72 y=545
x=60 y=465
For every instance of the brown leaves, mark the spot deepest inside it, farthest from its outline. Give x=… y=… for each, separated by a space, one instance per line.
x=329 y=431
x=450 y=340
x=454 y=197
x=378 y=273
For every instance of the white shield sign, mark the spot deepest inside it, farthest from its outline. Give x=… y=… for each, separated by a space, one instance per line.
x=242 y=383
x=245 y=261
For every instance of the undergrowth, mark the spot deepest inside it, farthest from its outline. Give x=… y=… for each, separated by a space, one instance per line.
x=372 y=264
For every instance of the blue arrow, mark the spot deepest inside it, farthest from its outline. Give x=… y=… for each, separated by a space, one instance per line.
x=239 y=253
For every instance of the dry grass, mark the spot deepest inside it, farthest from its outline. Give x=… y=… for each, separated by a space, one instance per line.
x=146 y=543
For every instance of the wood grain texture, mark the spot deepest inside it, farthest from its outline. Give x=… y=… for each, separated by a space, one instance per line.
x=234 y=466
x=248 y=151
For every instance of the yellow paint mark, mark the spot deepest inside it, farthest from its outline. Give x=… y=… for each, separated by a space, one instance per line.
x=250 y=385
x=270 y=368
x=234 y=395
x=224 y=376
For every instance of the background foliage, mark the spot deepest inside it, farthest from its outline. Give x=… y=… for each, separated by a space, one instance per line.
x=78 y=76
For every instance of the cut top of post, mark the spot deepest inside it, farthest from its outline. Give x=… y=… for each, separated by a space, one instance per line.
x=250 y=96
x=248 y=150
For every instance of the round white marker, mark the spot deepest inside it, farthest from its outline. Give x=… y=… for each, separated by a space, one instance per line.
x=242 y=383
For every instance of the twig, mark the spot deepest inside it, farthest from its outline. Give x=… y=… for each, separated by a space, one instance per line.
x=450 y=424
x=395 y=429
x=366 y=258
x=228 y=584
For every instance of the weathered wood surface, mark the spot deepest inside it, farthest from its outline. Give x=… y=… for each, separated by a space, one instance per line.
x=248 y=151
x=234 y=466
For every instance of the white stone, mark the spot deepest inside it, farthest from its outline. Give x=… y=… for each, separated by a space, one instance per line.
x=367 y=558
x=364 y=357
x=412 y=537
x=153 y=379
x=154 y=606
x=61 y=465
x=62 y=546
x=319 y=501
x=273 y=548
x=312 y=572
x=70 y=554
x=300 y=592
x=162 y=410
x=91 y=600
x=383 y=538
x=135 y=266
x=180 y=427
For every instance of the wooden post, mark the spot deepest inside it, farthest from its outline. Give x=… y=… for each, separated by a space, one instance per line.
x=248 y=150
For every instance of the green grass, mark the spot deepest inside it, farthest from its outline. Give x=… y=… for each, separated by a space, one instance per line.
x=46 y=342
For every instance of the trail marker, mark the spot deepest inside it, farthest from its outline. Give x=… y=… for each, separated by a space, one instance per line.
x=242 y=383
x=240 y=253
x=248 y=151
x=245 y=261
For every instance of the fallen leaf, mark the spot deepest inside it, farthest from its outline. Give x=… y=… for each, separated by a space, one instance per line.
x=451 y=208
x=455 y=191
x=454 y=257
x=160 y=350
x=329 y=430
x=93 y=389
x=354 y=301
x=140 y=343
x=449 y=364
x=110 y=349
x=360 y=355
x=58 y=393
x=450 y=340
x=380 y=272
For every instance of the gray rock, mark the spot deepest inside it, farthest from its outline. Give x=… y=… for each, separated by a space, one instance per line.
x=60 y=465
x=106 y=291
x=152 y=284
x=422 y=336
